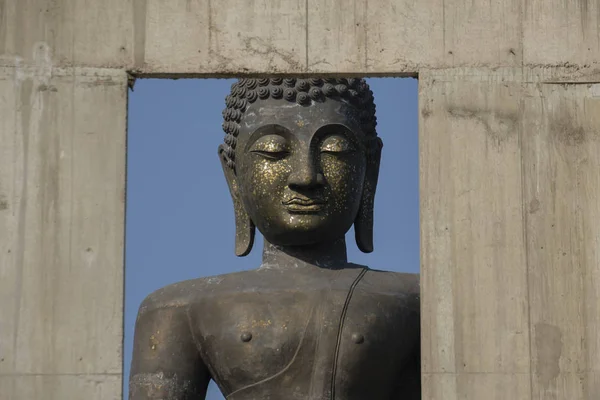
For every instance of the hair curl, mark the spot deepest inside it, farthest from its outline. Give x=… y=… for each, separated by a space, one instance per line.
x=302 y=91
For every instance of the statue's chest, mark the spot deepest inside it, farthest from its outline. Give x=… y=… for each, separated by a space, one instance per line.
x=304 y=337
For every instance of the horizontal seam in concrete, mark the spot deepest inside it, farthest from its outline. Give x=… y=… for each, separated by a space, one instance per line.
x=8 y=71
x=582 y=372
x=16 y=375
x=479 y=373
x=561 y=71
x=571 y=82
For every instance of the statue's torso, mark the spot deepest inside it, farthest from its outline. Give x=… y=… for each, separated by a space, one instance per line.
x=271 y=334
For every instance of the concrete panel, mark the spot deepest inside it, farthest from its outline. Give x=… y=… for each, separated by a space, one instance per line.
x=221 y=37
x=205 y=37
x=337 y=40
x=510 y=181
x=561 y=32
x=332 y=36
x=406 y=35
x=78 y=32
x=88 y=387
x=62 y=184
x=480 y=386
x=561 y=158
x=475 y=326
x=294 y=36
x=403 y=36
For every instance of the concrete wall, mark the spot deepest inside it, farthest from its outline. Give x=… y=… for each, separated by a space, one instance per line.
x=510 y=197
x=510 y=173
x=62 y=188
x=210 y=37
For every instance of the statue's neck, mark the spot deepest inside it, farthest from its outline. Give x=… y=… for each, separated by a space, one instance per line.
x=330 y=255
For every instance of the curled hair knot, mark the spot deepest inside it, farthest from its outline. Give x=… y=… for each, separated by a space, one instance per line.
x=303 y=99
x=328 y=89
x=263 y=92
x=252 y=96
x=315 y=93
x=289 y=94
x=251 y=84
x=276 y=92
x=341 y=88
x=302 y=85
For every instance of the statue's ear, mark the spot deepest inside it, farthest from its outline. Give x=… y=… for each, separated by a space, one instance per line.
x=363 y=224
x=244 y=227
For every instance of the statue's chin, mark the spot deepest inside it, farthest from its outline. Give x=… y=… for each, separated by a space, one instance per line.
x=303 y=229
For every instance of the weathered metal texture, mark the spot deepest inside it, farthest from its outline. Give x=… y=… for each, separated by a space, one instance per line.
x=281 y=332
x=509 y=203
x=62 y=177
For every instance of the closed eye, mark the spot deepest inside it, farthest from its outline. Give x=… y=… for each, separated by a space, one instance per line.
x=345 y=151
x=337 y=144
x=271 y=146
x=272 y=155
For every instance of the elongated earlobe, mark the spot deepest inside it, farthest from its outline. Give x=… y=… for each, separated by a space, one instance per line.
x=244 y=231
x=363 y=224
x=244 y=227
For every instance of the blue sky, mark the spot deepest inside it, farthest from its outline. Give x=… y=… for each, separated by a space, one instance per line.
x=179 y=213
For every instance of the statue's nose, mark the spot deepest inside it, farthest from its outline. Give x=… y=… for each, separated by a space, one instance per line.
x=306 y=175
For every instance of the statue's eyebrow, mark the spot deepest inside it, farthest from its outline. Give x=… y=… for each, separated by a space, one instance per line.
x=338 y=129
x=269 y=129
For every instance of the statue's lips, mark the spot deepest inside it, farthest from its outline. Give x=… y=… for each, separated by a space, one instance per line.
x=301 y=205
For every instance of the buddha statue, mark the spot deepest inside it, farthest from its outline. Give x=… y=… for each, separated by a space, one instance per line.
x=301 y=158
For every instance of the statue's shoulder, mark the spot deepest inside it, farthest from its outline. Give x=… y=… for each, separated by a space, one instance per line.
x=171 y=296
x=189 y=292
x=396 y=281
x=400 y=285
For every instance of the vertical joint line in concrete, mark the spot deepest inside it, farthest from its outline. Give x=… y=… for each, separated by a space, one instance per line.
x=525 y=245
x=365 y=24
x=130 y=85
x=522 y=35
x=306 y=31
x=139 y=33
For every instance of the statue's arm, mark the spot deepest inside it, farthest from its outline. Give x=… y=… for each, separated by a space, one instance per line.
x=409 y=383
x=166 y=363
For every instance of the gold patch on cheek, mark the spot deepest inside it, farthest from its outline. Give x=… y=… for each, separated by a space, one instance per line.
x=268 y=178
x=341 y=176
x=300 y=123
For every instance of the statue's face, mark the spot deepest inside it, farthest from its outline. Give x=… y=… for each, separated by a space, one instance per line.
x=301 y=169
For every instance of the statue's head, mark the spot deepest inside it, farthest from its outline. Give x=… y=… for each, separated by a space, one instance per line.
x=301 y=157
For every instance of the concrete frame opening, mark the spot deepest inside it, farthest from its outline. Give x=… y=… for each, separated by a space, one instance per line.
x=179 y=213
